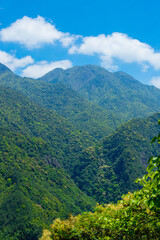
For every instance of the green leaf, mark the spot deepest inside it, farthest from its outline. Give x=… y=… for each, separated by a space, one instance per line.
x=151 y=204
x=154 y=139
x=150 y=168
x=150 y=160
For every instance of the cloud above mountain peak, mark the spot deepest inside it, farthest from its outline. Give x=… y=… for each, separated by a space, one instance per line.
x=117 y=46
x=34 y=33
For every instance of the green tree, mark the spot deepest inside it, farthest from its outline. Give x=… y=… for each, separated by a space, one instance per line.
x=136 y=216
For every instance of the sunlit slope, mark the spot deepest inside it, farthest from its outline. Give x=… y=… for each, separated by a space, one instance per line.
x=117 y=92
x=84 y=115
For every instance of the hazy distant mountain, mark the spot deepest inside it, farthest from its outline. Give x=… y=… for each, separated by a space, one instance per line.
x=75 y=78
x=116 y=92
x=83 y=114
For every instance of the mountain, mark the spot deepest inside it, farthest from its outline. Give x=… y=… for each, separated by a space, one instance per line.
x=34 y=188
x=27 y=118
x=129 y=148
x=38 y=149
x=117 y=92
x=107 y=99
x=4 y=69
x=48 y=168
x=109 y=169
x=84 y=115
x=75 y=78
x=103 y=171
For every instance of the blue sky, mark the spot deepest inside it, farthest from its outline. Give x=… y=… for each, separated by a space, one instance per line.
x=120 y=35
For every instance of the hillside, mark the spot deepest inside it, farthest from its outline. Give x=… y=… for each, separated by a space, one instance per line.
x=34 y=188
x=104 y=171
x=128 y=149
x=116 y=92
x=27 y=118
x=36 y=147
x=84 y=115
x=48 y=168
x=135 y=216
x=109 y=169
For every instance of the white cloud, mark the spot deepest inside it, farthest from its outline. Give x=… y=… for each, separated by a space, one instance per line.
x=34 y=32
x=155 y=81
x=40 y=68
x=108 y=63
x=118 y=46
x=69 y=40
x=145 y=67
x=12 y=62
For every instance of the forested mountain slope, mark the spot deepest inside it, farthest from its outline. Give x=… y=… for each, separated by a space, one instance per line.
x=36 y=146
x=129 y=148
x=116 y=92
x=84 y=115
x=48 y=167
x=26 y=117
x=104 y=171
x=34 y=188
x=109 y=169
x=136 y=216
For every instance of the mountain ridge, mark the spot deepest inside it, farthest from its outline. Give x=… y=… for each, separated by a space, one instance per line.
x=42 y=154
x=84 y=115
x=4 y=69
x=117 y=92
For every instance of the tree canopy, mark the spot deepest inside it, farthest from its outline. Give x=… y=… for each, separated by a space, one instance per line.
x=136 y=216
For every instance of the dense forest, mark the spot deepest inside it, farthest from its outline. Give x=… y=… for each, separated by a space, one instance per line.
x=136 y=216
x=69 y=141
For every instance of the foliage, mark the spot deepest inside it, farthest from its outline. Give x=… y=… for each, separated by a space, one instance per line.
x=136 y=216
x=109 y=169
x=128 y=220
x=35 y=144
x=34 y=189
x=23 y=116
x=152 y=180
x=18 y=217
x=46 y=235
x=42 y=156
x=96 y=177
x=102 y=174
x=128 y=149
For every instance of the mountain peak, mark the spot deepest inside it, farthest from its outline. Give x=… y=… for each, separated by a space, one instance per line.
x=53 y=74
x=75 y=77
x=4 y=69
